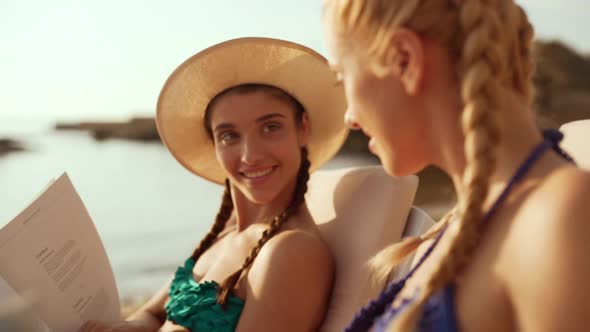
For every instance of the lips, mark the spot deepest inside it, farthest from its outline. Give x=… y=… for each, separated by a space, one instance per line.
x=371 y=140
x=366 y=132
x=258 y=174
x=372 y=145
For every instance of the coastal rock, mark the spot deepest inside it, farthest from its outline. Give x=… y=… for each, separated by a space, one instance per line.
x=140 y=129
x=562 y=83
x=562 y=94
x=8 y=145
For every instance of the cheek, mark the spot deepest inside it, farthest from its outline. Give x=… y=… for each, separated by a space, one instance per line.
x=393 y=114
x=286 y=150
x=227 y=158
x=402 y=146
x=395 y=130
x=366 y=97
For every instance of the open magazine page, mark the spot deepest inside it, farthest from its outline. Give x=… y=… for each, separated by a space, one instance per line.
x=52 y=252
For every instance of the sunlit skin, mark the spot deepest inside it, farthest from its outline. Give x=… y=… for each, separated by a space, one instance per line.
x=529 y=270
x=257 y=141
x=393 y=112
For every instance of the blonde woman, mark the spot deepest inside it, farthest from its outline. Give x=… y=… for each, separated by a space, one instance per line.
x=448 y=83
x=244 y=114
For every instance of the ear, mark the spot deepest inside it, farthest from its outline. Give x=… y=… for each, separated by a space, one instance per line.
x=304 y=130
x=404 y=57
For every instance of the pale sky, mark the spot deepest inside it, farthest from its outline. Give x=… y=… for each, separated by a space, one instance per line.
x=109 y=58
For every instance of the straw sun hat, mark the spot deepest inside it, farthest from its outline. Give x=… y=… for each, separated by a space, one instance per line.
x=296 y=69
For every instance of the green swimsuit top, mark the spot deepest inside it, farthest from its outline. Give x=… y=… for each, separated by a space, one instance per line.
x=194 y=306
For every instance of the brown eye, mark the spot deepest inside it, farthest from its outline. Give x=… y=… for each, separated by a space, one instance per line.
x=272 y=127
x=228 y=137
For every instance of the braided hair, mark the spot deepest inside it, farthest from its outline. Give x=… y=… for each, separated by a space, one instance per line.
x=490 y=43
x=226 y=209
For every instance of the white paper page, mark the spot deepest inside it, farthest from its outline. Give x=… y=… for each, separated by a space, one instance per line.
x=52 y=251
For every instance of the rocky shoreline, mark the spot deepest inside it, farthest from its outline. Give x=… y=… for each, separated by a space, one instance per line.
x=138 y=129
x=8 y=145
x=562 y=84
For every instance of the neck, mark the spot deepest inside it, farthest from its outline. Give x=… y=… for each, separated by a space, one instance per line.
x=247 y=212
x=518 y=137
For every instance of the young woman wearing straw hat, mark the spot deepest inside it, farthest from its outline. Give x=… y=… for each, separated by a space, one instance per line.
x=255 y=115
x=448 y=83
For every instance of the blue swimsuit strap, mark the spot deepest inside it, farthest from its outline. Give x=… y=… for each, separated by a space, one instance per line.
x=363 y=320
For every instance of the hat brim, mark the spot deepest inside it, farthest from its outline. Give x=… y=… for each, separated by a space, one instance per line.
x=296 y=69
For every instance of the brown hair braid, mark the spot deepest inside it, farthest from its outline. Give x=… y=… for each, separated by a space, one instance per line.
x=298 y=198
x=227 y=206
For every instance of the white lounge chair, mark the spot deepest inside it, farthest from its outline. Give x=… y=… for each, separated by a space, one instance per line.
x=359 y=212
x=577 y=141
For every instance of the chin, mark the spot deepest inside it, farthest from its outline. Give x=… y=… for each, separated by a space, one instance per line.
x=260 y=198
x=391 y=170
x=395 y=167
x=386 y=163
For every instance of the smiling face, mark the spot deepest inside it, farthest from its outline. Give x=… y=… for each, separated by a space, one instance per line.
x=258 y=138
x=381 y=106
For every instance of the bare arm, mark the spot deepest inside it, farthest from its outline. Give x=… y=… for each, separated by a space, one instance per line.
x=148 y=318
x=289 y=285
x=152 y=314
x=549 y=286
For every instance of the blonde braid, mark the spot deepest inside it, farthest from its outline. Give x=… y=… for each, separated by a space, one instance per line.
x=376 y=18
x=525 y=44
x=395 y=254
x=480 y=88
x=481 y=35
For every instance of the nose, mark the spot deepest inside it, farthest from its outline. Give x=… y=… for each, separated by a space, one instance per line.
x=252 y=152
x=350 y=120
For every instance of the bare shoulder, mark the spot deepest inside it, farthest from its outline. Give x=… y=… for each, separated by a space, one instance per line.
x=294 y=260
x=547 y=250
x=557 y=211
x=299 y=238
x=561 y=202
x=291 y=281
x=564 y=211
x=301 y=249
x=567 y=180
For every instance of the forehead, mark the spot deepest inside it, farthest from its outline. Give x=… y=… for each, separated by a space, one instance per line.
x=239 y=108
x=344 y=53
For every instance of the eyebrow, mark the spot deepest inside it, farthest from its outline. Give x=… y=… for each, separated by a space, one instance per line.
x=269 y=116
x=263 y=118
x=223 y=126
